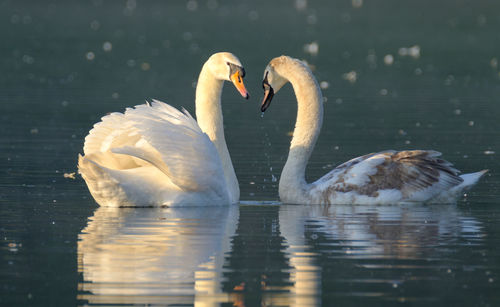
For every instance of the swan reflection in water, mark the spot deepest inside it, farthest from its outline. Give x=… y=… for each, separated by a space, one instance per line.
x=369 y=251
x=198 y=255
x=146 y=255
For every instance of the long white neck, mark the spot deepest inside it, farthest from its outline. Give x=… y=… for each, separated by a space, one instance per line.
x=293 y=187
x=209 y=117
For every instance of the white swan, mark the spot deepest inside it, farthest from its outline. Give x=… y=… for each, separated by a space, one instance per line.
x=386 y=177
x=155 y=155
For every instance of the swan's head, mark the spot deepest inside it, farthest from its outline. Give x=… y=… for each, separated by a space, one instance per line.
x=273 y=79
x=226 y=66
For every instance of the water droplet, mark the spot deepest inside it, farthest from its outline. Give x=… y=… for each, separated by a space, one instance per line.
x=107 y=46
x=312 y=48
x=131 y=63
x=312 y=19
x=357 y=3
x=28 y=59
x=388 y=59
x=95 y=25
x=131 y=4
x=192 y=5
x=351 y=76
x=262 y=115
x=90 y=56
x=300 y=5
x=494 y=63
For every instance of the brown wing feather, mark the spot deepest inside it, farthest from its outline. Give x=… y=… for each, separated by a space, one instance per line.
x=410 y=171
x=407 y=171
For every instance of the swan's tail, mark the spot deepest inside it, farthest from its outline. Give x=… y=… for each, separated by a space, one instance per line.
x=103 y=187
x=471 y=179
x=455 y=192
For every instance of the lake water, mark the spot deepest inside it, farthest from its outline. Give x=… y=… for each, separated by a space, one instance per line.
x=395 y=75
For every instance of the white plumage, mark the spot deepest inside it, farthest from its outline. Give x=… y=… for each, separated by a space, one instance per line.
x=156 y=155
x=152 y=155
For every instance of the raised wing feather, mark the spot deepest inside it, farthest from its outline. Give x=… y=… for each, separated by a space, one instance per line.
x=174 y=143
x=114 y=130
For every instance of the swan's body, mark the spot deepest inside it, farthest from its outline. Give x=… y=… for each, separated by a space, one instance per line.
x=155 y=155
x=378 y=178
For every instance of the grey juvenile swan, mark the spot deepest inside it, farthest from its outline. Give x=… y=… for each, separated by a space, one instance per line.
x=387 y=177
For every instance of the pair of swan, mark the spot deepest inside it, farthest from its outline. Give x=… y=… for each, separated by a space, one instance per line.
x=155 y=155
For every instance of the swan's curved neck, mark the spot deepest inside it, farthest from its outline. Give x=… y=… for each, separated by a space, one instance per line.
x=305 y=134
x=209 y=118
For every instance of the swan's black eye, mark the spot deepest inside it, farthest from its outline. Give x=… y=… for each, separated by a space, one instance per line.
x=233 y=68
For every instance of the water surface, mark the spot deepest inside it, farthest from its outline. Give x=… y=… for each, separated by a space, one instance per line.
x=413 y=75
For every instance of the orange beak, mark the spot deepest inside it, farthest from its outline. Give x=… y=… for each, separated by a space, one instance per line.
x=238 y=83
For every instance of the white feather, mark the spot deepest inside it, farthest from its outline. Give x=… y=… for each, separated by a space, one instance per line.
x=164 y=159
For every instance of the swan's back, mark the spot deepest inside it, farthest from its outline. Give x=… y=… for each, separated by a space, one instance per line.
x=393 y=177
x=152 y=155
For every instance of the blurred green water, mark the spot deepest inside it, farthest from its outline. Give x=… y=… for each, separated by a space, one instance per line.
x=63 y=65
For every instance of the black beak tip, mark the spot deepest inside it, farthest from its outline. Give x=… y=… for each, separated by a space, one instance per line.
x=247 y=96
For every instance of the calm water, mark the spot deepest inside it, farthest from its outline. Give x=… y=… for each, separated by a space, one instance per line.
x=395 y=76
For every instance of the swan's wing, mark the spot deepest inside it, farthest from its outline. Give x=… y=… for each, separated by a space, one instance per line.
x=139 y=186
x=417 y=175
x=173 y=142
x=114 y=130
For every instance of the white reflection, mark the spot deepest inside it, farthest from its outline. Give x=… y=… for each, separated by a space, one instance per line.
x=397 y=232
x=366 y=232
x=305 y=275
x=155 y=255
